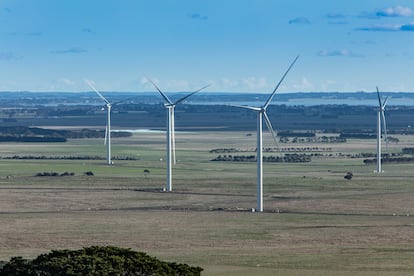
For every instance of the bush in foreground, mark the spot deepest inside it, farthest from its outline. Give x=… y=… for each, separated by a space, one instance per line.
x=96 y=260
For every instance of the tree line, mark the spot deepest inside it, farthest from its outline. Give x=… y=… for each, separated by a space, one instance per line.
x=288 y=158
x=34 y=134
x=282 y=149
x=43 y=157
x=408 y=151
x=88 y=173
x=390 y=160
x=319 y=139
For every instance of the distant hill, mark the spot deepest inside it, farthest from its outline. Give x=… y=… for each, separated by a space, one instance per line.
x=335 y=112
x=298 y=98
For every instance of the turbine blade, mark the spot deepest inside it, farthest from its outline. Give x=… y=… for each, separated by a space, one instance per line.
x=192 y=93
x=269 y=126
x=123 y=101
x=162 y=93
x=106 y=135
x=384 y=104
x=277 y=86
x=88 y=82
x=384 y=124
x=379 y=98
x=245 y=107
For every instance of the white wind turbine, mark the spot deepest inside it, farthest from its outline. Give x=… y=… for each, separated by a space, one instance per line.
x=380 y=115
x=170 y=106
x=261 y=112
x=108 y=123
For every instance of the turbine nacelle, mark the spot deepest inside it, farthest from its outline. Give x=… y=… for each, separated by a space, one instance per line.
x=381 y=104
x=384 y=104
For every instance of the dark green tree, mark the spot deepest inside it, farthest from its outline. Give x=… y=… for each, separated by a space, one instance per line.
x=95 y=260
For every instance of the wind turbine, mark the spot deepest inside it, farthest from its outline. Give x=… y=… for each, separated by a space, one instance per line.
x=380 y=115
x=170 y=107
x=108 y=123
x=261 y=112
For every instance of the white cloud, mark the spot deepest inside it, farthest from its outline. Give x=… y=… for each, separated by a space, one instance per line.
x=305 y=84
x=338 y=53
x=87 y=30
x=178 y=85
x=198 y=16
x=300 y=20
x=254 y=83
x=146 y=83
x=228 y=84
x=398 y=11
x=73 y=50
x=61 y=84
x=337 y=18
x=170 y=85
x=8 y=56
x=409 y=27
x=327 y=85
x=335 y=15
x=381 y=28
x=66 y=81
x=143 y=81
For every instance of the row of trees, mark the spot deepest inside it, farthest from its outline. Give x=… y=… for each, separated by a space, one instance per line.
x=34 y=134
x=289 y=158
x=88 y=173
x=408 y=151
x=320 y=139
x=298 y=149
x=394 y=157
x=362 y=135
x=298 y=158
x=283 y=149
x=55 y=174
x=64 y=157
x=32 y=139
x=365 y=155
x=295 y=134
x=390 y=160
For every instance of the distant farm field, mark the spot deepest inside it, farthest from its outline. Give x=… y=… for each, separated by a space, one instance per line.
x=315 y=221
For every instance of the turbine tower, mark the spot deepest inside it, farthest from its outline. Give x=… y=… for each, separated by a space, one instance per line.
x=261 y=113
x=108 y=123
x=380 y=115
x=170 y=107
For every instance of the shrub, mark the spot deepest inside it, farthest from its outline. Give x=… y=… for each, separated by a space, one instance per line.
x=348 y=175
x=55 y=174
x=96 y=260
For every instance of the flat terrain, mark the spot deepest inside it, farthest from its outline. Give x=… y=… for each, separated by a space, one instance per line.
x=315 y=222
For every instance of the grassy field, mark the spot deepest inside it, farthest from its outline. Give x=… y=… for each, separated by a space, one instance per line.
x=315 y=222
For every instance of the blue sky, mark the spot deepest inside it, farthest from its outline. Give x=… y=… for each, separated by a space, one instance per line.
x=236 y=45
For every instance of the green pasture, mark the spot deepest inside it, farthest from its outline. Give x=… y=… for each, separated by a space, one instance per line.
x=315 y=221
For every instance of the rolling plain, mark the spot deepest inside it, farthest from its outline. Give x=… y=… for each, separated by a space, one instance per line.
x=315 y=222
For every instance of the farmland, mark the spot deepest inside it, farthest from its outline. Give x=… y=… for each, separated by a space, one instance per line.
x=63 y=195
x=315 y=221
